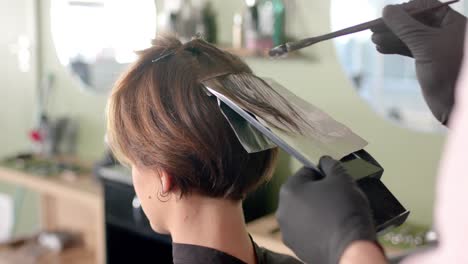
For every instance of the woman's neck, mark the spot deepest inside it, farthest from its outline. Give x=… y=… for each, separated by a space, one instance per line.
x=213 y=223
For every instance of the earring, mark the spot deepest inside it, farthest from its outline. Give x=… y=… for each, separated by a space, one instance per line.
x=163 y=196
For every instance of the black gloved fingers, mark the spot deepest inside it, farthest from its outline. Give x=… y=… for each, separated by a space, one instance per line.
x=419 y=4
x=319 y=219
x=360 y=229
x=408 y=31
x=380 y=28
x=387 y=39
x=388 y=43
x=432 y=18
x=412 y=6
x=402 y=24
x=454 y=16
x=331 y=168
x=301 y=177
x=310 y=174
x=327 y=164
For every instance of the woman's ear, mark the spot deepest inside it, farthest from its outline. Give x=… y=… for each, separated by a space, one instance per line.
x=166 y=182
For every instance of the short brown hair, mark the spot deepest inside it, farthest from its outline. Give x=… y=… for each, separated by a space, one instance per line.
x=160 y=117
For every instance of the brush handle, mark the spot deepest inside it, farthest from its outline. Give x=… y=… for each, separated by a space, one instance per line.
x=291 y=46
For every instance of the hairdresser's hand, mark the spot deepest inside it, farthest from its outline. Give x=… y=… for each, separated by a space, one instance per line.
x=319 y=219
x=435 y=40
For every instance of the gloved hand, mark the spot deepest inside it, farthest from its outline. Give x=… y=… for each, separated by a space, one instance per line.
x=320 y=218
x=435 y=40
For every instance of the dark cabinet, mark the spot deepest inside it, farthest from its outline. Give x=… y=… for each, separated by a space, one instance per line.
x=129 y=237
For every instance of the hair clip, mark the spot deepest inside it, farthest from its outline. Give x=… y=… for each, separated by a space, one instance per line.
x=163 y=56
x=198 y=36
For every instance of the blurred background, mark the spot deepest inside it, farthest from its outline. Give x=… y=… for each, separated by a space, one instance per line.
x=60 y=186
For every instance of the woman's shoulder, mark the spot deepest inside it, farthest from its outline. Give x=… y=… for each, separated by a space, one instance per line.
x=265 y=256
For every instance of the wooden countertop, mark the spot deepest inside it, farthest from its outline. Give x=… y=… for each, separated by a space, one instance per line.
x=81 y=188
x=34 y=254
x=68 y=202
x=265 y=232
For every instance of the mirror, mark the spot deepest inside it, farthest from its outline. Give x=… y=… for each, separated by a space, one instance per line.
x=387 y=82
x=96 y=39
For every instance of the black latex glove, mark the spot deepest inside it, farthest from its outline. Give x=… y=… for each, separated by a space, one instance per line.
x=435 y=40
x=320 y=218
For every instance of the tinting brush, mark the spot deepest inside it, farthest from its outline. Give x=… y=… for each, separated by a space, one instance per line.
x=292 y=46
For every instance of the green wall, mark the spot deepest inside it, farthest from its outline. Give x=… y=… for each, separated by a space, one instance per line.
x=16 y=95
x=410 y=158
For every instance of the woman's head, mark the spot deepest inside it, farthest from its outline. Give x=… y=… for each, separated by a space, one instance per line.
x=161 y=120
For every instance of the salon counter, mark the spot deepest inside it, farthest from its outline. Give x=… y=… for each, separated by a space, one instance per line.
x=266 y=233
x=68 y=202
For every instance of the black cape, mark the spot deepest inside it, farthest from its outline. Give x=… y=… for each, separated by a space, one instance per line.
x=194 y=254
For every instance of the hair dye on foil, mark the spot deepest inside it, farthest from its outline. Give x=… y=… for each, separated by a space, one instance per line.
x=299 y=126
